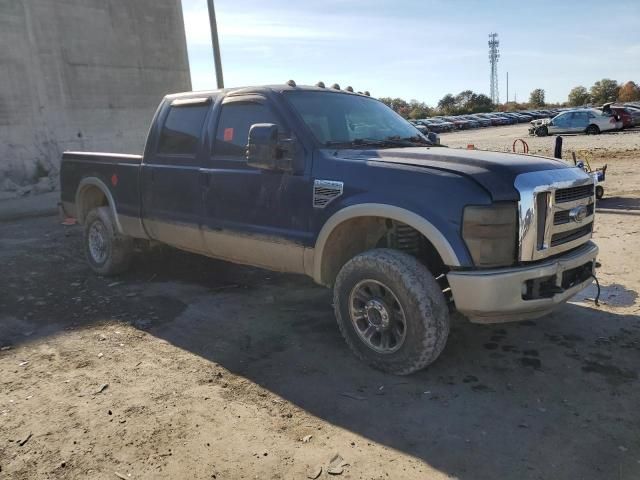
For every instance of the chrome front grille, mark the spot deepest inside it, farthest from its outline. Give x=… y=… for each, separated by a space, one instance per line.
x=562 y=216
x=570 y=235
x=573 y=193
x=556 y=211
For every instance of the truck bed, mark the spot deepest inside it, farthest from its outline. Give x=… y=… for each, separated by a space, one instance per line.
x=118 y=172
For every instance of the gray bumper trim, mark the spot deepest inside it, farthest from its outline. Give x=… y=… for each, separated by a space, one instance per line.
x=491 y=296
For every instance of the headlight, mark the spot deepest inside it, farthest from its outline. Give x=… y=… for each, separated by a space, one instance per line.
x=490 y=234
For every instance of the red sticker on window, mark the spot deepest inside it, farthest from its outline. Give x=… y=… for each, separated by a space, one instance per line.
x=228 y=134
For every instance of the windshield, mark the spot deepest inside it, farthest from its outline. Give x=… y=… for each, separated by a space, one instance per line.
x=337 y=118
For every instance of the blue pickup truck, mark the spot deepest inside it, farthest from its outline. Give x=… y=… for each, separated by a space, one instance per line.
x=333 y=184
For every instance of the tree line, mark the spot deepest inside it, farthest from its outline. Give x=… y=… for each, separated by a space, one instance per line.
x=469 y=102
x=603 y=91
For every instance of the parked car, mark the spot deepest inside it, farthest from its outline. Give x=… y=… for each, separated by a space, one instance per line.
x=460 y=123
x=484 y=122
x=421 y=128
x=635 y=114
x=473 y=122
x=336 y=186
x=494 y=120
x=439 y=125
x=622 y=113
x=527 y=116
x=516 y=117
x=434 y=126
x=589 y=120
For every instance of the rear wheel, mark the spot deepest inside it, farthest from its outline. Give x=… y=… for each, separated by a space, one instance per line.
x=542 y=131
x=107 y=252
x=593 y=130
x=391 y=311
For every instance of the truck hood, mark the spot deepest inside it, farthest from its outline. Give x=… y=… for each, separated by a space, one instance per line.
x=495 y=171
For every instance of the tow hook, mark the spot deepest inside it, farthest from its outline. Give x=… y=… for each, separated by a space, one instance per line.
x=595 y=300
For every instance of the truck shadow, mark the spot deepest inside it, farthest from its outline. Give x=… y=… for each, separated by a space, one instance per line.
x=619 y=205
x=503 y=401
x=554 y=398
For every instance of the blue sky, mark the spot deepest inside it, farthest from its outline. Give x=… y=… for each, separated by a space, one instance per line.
x=420 y=49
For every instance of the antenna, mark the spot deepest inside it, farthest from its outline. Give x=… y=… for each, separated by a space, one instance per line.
x=494 y=55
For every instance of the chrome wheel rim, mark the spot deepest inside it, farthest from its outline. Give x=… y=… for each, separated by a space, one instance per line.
x=377 y=316
x=98 y=243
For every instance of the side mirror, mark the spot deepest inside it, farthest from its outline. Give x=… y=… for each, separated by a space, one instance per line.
x=434 y=138
x=266 y=150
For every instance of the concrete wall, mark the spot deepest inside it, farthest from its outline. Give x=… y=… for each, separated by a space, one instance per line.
x=85 y=75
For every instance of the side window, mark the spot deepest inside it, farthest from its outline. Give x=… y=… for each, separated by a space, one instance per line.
x=234 y=124
x=562 y=120
x=580 y=119
x=181 y=130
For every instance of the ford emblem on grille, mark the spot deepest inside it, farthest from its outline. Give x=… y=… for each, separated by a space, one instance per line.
x=578 y=214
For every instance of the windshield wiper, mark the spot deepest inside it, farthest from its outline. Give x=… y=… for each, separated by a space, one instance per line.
x=415 y=139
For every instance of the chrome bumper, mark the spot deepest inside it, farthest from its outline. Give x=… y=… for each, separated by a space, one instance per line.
x=492 y=296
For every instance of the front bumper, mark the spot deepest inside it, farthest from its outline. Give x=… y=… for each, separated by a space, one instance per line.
x=500 y=295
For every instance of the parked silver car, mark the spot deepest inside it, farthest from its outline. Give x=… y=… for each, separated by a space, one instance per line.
x=585 y=120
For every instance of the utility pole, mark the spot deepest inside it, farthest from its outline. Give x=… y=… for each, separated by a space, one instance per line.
x=216 y=45
x=507 y=87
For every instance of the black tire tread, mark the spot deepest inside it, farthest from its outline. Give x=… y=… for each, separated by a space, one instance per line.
x=422 y=286
x=593 y=130
x=121 y=246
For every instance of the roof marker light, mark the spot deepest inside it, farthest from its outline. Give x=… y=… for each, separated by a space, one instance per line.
x=366 y=92
x=320 y=84
x=335 y=86
x=291 y=83
x=349 y=88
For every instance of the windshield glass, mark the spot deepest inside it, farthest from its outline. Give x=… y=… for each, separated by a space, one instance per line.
x=337 y=118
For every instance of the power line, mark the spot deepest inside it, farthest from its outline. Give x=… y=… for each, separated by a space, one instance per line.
x=494 y=55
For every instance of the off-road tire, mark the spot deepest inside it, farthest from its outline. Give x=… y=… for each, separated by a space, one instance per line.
x=118 y=248
x=599 y=192
x=420 y=296
x=592 y=130
x=542 y=131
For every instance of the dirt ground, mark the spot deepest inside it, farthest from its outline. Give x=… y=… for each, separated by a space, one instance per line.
x=502 y=138
x=192 y=368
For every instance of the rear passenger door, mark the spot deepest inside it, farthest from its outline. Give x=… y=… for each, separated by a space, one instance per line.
x=255 y=216
x=579 y=122
x=172 y=193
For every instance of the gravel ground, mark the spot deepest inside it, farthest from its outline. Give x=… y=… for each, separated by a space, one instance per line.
x=501 y=139
x=187 y=367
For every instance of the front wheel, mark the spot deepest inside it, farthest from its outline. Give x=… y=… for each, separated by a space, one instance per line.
x=599 y=192
x=107 y=252
x=391 y=311
x=593 y=130
x=542 y=131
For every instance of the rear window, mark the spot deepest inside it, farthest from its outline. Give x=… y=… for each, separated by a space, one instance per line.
x=181 y=131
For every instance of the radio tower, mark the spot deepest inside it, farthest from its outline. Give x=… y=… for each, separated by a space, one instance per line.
x=494 y=55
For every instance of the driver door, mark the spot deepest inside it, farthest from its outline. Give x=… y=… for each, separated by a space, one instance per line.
x=251 y=215
x=560 y=124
